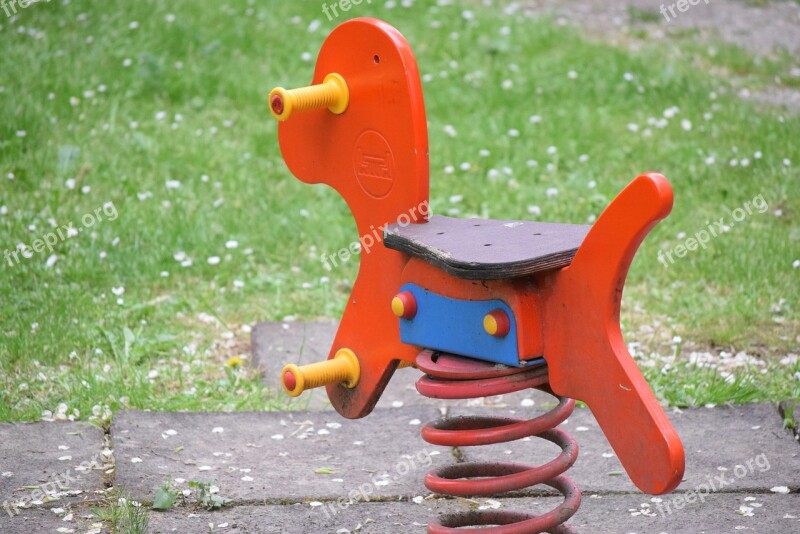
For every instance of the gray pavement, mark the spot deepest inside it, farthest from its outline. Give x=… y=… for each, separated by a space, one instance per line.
x=67 y=520
x=61 y=460
x=313 y=471
x=599 y=514
x=51 y=474
x=273 y=456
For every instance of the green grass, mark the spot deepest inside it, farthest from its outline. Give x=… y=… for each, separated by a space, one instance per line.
x=180 y=98
x=124 y=515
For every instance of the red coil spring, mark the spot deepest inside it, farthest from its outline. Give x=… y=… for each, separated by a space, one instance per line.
x=454 y=377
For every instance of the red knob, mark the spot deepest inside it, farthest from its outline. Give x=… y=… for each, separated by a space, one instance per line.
x=497 y=323
x=289 y=380
x=404 y=305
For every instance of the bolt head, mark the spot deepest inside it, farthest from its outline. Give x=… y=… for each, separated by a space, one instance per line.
x=496 y=323
x=289 y=380
x=276 y=102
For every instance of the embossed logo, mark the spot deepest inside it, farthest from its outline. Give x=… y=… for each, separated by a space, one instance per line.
x=373 y=164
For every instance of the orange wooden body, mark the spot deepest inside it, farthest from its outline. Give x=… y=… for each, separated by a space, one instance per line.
x=385 y=118
x=375 y=155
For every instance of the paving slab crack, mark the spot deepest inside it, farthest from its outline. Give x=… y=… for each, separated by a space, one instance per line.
x=789 y=410
x=514 y=496
x=109 y=473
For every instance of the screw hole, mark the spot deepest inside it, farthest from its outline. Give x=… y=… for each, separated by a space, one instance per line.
x=537 y=233
x=376 y=58
x=487 y=245
x=439 y=233
x=476 y=225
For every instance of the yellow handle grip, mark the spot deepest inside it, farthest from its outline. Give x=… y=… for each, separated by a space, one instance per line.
x=332 y=93
x=341 y=369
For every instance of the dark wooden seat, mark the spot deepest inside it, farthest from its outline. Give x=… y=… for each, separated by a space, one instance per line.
x=480 y=249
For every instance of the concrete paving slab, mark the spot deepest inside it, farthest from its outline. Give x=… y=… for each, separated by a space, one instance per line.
x=608 y=514
x=716 y=514
x=53 y=463
x=716 y=440
x=740 y=448
x=275 y=344
x=40 y=521
x=256 y=457
x=275 y=456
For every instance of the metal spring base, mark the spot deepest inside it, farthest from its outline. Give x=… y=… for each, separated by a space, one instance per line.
x=454 y=377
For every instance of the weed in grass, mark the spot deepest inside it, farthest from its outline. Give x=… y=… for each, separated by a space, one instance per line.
x=124 y=515
x=789 y=421
x=208 y=495
x=165 y=496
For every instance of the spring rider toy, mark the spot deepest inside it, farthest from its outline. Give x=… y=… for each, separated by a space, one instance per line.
x=481 y=307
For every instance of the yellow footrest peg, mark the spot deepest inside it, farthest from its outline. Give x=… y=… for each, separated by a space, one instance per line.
x=332 y=93
x=343 y=369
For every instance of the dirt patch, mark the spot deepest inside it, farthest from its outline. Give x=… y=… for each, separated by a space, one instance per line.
x=762 y=30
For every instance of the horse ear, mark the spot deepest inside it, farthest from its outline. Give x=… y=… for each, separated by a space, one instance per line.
x=385 y=115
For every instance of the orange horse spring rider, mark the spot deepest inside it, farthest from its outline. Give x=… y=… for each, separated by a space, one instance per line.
x=481 y=307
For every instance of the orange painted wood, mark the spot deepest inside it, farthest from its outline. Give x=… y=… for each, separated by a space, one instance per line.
x=375 y=155
x=583 y=346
